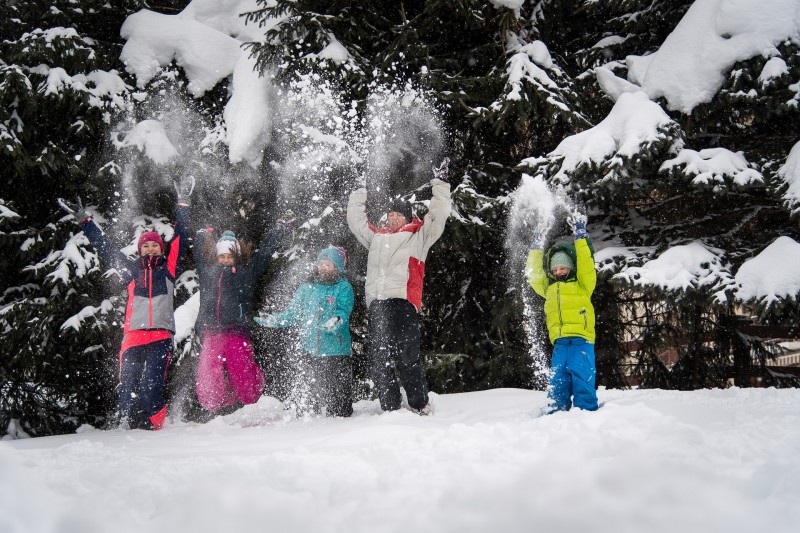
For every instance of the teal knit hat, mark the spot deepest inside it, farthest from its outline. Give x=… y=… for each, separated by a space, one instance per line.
x=335 y=255
x=561 y=259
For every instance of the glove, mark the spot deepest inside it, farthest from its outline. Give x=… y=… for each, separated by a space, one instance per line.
x=577 y=221
x=537 y=240
x=184 y=188
x=331 y=324
x=76 y=209
x=440 y=172
x=268 y=322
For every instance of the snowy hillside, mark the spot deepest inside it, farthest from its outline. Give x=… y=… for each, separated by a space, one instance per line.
x=655 y=461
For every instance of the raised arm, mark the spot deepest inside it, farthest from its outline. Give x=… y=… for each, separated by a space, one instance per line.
x=114 y=258
x=534 y=269
x=586 y=271
x=357 y=216
x=262 y=257
x=535 y=273
x=293 y=312
x=438 y=212
x=197 y=250
x=178 y=243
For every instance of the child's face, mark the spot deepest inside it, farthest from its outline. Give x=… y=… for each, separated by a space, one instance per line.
x=395 y=220
x=325 y=267
x=560 y=272
x=151 y=248
x=226 y=259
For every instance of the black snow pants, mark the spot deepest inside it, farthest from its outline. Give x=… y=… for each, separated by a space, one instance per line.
x=394 y=346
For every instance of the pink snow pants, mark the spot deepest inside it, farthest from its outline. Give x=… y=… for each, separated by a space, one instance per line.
x=227 y=372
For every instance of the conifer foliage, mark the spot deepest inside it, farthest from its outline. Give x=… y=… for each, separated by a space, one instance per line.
x=545 y=88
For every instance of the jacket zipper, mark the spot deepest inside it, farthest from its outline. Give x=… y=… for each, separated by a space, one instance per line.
x=150 y=292
x=219 y=293
x=558 y=301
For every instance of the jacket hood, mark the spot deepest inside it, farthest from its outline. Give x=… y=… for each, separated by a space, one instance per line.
x=569 y=249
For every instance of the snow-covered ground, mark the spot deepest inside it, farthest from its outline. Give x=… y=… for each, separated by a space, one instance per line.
x=647 y=461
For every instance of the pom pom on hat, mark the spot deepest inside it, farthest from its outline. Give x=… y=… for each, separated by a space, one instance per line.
x=335 y=255
x=149 y=236
x=227 y=243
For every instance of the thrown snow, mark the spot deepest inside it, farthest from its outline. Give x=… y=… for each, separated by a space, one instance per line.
x=150 y=137
x=648 y=460
x=690 y=266
x=694 y=60
x=771 y=275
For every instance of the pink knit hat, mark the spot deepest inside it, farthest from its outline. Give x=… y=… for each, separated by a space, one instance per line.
x=149 y=236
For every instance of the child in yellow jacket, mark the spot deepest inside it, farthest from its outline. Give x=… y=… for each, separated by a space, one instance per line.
x=566 y=278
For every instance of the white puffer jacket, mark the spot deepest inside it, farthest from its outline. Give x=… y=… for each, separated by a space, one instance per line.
x=396 y=261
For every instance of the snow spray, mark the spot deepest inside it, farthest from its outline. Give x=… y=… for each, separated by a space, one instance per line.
x=535 y=209
x=404 y=144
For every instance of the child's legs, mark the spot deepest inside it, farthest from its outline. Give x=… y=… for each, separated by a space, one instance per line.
x=131 y=363
x=156 y=361
x=246 y=377
x=581 y=366
x=213 y=389
x=335 y=380
x=560 y=388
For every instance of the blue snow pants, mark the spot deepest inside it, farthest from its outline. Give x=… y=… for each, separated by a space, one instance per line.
x=572 y=375
x=142 y=374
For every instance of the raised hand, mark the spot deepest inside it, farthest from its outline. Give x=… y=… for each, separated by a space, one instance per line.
x=440 y=172
x=184 y=188
x=75 y=209
x=537 y=239
x=577 y=221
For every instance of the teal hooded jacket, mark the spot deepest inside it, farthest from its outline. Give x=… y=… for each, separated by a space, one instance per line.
x=313 y=304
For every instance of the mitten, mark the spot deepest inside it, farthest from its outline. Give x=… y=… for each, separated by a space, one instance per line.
x=331 y=324
x=184 y=188
x=577 y=221
x=537 y=240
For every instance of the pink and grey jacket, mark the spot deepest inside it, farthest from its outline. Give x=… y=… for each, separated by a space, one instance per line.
x=151 y=280
x=396 y=261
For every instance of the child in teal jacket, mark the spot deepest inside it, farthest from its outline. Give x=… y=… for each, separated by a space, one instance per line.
x=321 y=308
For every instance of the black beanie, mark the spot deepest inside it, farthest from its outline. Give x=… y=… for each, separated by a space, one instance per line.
x=401 y=206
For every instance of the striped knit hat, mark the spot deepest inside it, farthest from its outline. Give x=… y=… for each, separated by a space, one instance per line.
x=335 y=255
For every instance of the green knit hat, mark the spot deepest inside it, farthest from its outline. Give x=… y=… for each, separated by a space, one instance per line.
x=561 y=259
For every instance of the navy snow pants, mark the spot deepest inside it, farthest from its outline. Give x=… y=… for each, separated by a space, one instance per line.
x=394 y=345
x=142 y=374
x=572 y=375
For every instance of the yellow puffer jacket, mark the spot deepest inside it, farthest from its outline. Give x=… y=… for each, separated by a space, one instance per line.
x=567 y=307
